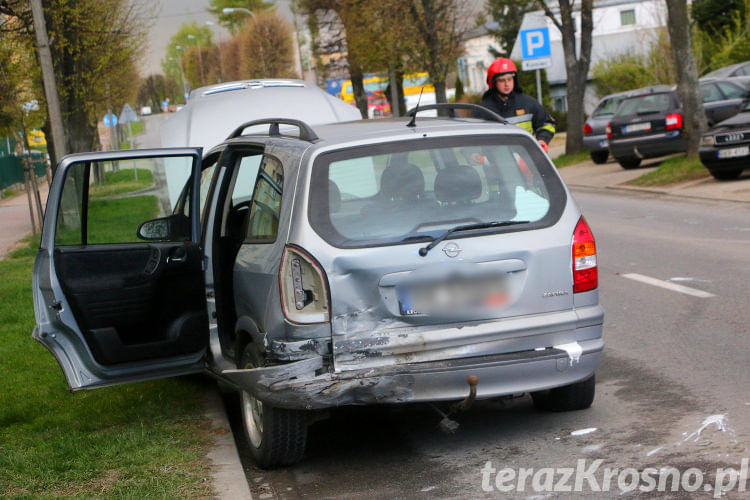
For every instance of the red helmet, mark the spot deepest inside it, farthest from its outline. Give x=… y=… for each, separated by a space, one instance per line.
x=498 y=67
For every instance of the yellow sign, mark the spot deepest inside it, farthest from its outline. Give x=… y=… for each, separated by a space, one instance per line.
x=36 y=138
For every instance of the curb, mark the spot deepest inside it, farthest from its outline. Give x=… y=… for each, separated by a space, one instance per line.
x=660 y=192
x=227 y=475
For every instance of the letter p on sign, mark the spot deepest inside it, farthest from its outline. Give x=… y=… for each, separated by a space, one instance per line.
x=535 y=43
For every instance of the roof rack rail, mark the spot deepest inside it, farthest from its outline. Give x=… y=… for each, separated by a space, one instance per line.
x=460 y=105
x=306 y=133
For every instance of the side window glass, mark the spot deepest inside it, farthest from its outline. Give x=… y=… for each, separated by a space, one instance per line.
x=245 y=181
x=263 y=224
x=731 y=91
x=710 y=93
x=206 y=175
x=108 y=201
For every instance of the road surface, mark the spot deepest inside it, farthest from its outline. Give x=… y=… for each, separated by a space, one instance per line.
x=674 y=283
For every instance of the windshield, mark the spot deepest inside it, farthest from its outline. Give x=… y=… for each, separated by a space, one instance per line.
x=652 y=103
x=409 y=190
x=607 y=107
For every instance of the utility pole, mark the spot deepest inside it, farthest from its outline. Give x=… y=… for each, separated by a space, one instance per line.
x=48 y=76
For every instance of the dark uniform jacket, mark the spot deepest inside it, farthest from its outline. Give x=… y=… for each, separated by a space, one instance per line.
x=522 y=110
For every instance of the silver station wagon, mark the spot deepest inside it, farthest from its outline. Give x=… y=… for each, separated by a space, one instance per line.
x=308 y=268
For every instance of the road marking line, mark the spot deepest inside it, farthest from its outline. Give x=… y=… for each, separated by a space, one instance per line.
x=669 y=286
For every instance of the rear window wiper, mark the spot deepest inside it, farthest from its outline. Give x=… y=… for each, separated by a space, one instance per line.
x=467 y=227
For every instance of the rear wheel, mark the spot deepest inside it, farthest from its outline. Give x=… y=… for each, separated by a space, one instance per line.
x=275 y=436
x=599 y=157
x=628 y=163
x=577 y=396
x=726 y=175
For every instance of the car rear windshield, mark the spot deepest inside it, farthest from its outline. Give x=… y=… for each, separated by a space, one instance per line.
x=401 y=192
x=607 y=107
x=641 y=105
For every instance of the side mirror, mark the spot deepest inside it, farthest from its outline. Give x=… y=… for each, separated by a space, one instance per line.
x=171 y=228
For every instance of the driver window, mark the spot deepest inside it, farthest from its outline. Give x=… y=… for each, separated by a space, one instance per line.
x=107 y=201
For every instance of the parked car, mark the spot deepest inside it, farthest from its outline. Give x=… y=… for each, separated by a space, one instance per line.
x=595 y=129
x=739 y=69
x=648 y=124
x=145 y=110
x=725 y=149
x=366 y=262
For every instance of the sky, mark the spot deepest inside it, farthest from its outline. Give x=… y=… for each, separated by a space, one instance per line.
x=170 y=15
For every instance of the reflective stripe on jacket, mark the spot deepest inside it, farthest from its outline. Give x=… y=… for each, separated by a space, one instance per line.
x=522 y=110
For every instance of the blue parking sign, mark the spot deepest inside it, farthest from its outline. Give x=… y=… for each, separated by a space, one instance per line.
x=535 y=43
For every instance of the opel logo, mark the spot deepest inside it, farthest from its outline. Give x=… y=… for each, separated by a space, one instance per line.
x=451 y=250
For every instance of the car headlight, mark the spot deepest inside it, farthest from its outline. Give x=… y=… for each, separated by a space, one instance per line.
x=707 y=140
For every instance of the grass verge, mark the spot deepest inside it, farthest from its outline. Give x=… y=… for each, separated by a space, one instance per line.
x=141 y=440
x=122 y=181
x=566 y=160
x=672 y=171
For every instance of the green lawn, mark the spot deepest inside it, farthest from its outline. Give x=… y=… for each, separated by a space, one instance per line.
x=122 y=181
x=672 y=171
x=565 y=160
x=144 y=440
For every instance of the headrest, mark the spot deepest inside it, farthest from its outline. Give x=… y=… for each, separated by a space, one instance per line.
x=458 y=184
x=402 y=182
x=334 y=197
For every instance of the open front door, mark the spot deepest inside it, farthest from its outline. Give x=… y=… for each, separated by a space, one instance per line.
x=118 y=280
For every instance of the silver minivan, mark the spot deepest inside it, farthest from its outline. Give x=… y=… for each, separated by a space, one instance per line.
x=308 y=268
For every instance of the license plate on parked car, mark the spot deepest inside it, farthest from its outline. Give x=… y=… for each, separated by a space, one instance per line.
x=456 y=295
x=636 y=127
x=734 y=152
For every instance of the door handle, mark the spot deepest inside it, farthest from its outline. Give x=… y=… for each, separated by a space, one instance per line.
x=172 y=259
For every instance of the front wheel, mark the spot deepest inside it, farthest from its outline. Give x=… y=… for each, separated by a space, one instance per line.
x=726 y=175
x=577 y=396
x=599 y=157
x=628 y=163
x=275 y=436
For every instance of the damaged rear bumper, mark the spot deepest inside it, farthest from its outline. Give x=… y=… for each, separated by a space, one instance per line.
x=299 y=385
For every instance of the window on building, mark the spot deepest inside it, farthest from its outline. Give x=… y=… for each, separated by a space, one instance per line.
x=627 y=17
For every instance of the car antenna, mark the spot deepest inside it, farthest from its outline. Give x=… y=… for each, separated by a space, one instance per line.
x=413 y=121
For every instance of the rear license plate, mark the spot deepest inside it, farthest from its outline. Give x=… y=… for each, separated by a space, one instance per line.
x=458 y=295
x=604 y=143
x=636 y=127
x=734 y=152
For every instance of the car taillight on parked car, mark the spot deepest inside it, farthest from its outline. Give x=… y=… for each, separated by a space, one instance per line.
x=587 y=129
x=304 y=288
x=585 y=274
x=674 y=121
x=609 y=131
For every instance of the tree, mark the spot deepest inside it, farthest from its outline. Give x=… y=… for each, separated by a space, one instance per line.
x=95 y=49
x=508 y=14
x=235 y=20
x=714 y=16
x=189 y=34
x=266 y=47
x=156 y=88
x=694 y=119
x=440 y=25
x=576 y=63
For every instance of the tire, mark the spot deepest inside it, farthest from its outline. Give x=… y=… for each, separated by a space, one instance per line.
x=275 y=436
x=577 y=396
x=726 y=175
x=599 y=157
x=628 y=163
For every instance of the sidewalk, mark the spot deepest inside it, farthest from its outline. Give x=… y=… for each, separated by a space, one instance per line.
x=612 y=176
x=15 y=223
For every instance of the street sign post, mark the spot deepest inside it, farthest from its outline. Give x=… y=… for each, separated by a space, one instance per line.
x=536 y=52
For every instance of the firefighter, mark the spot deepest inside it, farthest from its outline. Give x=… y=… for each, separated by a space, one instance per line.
x=506 y=98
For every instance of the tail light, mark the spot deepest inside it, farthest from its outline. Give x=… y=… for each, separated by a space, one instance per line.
x=674 y=121
x=587 y=129
x=609 y=131
x=585 y=274
x=304 y=288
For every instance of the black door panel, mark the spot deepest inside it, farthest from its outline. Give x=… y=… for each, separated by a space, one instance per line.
x=135 y=302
